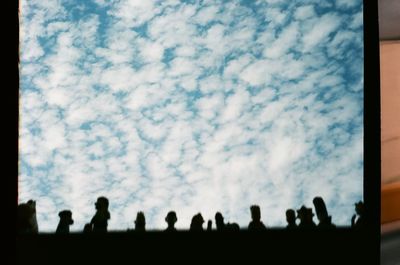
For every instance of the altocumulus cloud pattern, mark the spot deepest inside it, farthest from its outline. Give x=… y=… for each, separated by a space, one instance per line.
x=193 y=106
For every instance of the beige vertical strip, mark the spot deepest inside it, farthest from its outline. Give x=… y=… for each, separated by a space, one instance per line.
x=390 y=129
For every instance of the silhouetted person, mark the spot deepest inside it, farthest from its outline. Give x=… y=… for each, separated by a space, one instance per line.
x=221 y=226
x=291 y=219
x=219 y=222
x=65 y=221
x=26 y=218
x=232 y=227
x=325 y=221
x=256 y=224
x=171 y=219
x=360 y=212
x=305 y=215
x=197 y=223
x=140 y=222
x=87 y=229
x=99 y=221
x=209 y=225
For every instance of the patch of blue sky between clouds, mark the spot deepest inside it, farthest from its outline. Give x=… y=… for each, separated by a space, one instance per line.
x=195 y=106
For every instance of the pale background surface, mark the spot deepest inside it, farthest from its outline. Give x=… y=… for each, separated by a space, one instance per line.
x=390 y=109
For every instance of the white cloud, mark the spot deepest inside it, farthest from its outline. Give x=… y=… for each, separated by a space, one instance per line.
x=285 y=41
x=54 y=137
x=304 y=12
x=153 y=131
x=211 y=84
x=283 y=152
x=152 y=52
x=35 y=50
x=234 y=106
x=357 y=20
x=185 y=51
x=208 y=105
x=118 y=78
x=181 y=66
x=320 y=31
x=347 y=3
x=234 y=67
x=257 y=73
x=276 y=16
x=102 y=3
x=134 y=13
x=206 y=15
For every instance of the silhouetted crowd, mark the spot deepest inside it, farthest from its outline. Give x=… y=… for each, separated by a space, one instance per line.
x=27 y=223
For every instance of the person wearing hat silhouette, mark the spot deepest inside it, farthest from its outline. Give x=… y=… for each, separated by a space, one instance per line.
x=256 y=224
x=171 y=219
x=305 y=215
x=140 y=222
x=360 y=212
x=291 y=219
x=99 y=221
x=325 y=221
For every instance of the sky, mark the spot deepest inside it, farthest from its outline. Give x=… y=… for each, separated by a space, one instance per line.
x=192 y=106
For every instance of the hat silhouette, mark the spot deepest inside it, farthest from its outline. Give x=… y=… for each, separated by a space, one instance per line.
x=304 y=211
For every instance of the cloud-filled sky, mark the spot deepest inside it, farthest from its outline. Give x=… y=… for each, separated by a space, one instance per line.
x=192 y=106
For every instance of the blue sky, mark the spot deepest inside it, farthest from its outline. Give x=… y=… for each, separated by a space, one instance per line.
x=193 y=106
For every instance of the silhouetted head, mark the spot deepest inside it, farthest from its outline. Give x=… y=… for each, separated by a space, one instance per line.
x=359 y=207
x=209 y=225
x=25 y=211
x=305 y=214
x=290 y=216
x=197 y=223
x=26 y=217
x=101 y=203
x=31 y=203
x=171 y=219
x=219 y=220
x=320 y=208
x=66 y=217
x=140 y=222
x=255 y=212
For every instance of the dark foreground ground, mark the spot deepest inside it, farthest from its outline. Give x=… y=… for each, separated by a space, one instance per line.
x=277 y=246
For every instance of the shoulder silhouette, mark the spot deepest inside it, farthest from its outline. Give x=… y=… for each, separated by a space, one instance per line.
x=358 y=220
x=87 y=229
x=140 y=222
x=222 y=227
x=65 y=221
x=26 y=218
x=197 y=223
x=232 y=227
x=171 y=219
x=325 y=220
x=256 y=224
x=306 y=217
x=99 y=221
x=291 y=219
